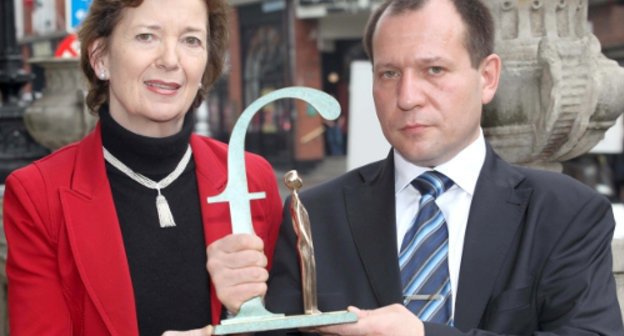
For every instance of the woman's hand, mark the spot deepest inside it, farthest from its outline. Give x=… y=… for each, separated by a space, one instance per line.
x=237 y=267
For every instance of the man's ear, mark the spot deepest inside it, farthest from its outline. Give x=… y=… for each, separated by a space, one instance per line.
x=98 y=57
x=489 y=70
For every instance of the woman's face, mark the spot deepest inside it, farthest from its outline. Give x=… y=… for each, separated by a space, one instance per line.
x=155 y=60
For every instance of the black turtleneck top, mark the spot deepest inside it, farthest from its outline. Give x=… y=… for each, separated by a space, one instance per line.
x=167 y=265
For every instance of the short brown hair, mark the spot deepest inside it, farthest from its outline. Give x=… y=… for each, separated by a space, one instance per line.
x=104 y=15
x=479 y=39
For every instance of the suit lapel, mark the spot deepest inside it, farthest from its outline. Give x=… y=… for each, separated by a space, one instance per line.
x=96 y=240
x=371 y=214
x=496 y=213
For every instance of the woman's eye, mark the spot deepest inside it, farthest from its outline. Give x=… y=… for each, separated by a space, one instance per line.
x=193 y=41
x=145 y=37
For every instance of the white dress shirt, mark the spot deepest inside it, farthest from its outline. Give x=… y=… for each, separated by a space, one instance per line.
x=464 y=170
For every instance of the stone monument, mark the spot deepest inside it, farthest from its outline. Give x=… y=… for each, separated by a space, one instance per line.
x=17 y=147
x=60 y=116
x=558 y=94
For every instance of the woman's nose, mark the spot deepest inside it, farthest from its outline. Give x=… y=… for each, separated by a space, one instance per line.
x=168 y=58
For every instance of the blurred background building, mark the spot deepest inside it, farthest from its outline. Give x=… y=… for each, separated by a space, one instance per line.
x=275 y=43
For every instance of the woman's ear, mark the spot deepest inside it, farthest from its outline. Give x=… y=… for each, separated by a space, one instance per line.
x=98 y=59
x=489 y=71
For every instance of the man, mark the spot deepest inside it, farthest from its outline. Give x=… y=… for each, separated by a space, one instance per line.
x=528 y=251
x=523 y=251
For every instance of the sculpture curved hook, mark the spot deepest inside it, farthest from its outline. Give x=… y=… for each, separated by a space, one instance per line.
x=236 y=191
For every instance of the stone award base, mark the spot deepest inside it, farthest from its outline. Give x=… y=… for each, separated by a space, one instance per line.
x=280 y=321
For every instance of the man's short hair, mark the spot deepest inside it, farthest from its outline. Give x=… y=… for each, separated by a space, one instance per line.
x=479 y=39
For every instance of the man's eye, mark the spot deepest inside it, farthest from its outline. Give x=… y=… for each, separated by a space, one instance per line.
x=435 y=70
x=389 y=74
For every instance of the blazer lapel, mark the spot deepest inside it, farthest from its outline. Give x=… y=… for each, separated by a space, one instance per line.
x=211 y=180
x=371 y=214
x=96 y=240
x=496 y=214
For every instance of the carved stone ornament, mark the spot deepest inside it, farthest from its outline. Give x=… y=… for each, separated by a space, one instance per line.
x=558 y=94
x=60 y=116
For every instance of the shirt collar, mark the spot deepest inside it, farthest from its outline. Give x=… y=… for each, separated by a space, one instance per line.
x=464 y=168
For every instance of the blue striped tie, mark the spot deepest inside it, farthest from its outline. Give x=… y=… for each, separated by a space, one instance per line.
x=424 y=254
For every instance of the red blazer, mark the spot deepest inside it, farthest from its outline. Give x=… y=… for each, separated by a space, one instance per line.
x=67 y=268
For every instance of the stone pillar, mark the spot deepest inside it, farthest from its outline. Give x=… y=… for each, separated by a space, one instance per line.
x=558 y=94
x=60 y=116
x=17 y=148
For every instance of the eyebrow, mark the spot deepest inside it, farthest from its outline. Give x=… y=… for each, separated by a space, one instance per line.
x=186 y=30
x=432 y=60
x=419 y=60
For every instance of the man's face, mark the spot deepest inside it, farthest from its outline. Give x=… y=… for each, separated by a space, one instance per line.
x=427 y=94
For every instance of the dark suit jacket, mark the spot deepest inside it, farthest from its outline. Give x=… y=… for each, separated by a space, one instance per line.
x=536 y=258
x=67 y=268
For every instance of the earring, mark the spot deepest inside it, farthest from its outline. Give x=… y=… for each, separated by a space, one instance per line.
x=200 y=85
x=102 y=75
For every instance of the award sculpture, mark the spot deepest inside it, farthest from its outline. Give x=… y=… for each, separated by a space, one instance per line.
x=252 y=315
x=305 y=246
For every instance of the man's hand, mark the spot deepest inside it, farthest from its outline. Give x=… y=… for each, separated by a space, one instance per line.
x=205 y=331
x=394 y=320
x=237 y=267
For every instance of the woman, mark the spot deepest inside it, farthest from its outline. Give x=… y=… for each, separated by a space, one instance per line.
x=108 y=236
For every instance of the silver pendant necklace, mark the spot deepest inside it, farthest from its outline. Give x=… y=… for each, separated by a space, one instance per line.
x=165 y=217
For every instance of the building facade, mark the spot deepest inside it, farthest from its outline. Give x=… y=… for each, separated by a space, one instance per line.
x=281 y=43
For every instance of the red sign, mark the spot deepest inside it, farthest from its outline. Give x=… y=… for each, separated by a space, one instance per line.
x=69 y=47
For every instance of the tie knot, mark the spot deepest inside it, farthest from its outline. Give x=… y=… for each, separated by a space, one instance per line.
x=432 y=183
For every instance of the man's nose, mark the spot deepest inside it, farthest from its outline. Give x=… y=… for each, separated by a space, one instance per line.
x=410 y=92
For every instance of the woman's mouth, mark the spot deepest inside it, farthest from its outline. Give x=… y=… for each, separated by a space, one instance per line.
x=160 y=87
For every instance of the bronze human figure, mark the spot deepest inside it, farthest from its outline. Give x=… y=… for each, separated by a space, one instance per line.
x=305 y=247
